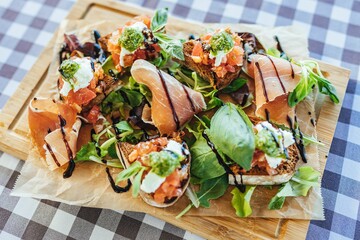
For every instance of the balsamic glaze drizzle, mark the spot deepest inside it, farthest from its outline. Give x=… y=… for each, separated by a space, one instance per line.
x=115 y=187
x=263 y=82
x=68 y=172
x=175 y=116
x=189 y=99
x=292 y=71
x=267 y=115
x=52 y=153
x=277 y=74
x=299 y=144
x=227 y=169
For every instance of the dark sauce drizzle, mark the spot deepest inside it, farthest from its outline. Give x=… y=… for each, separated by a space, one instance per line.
x=292 y=71
x=52 y=154
x=272 y=135
x=175 y=116
x=227 y=169
x=312 y=121
x=278 y=45
x=277 y=74
x=115 y=187
x=267 y=115
x=68 y=172
x=189 y=99
x=262 y=80
x=299 y=144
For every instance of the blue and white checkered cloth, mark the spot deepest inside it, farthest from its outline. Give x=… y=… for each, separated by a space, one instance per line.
x=333 y=27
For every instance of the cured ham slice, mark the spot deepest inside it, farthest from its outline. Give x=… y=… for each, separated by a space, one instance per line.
x=274 y=79
x=173 y=104
x=54 y=142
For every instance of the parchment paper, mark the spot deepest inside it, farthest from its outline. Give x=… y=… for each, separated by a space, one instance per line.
x=89 y=185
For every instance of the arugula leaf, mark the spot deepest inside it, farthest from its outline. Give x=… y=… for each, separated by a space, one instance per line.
x=135 y=98
x=273 y=52
x=235 y=138
x=127 y=133
x=299 y=185
x=113 y=101
x=129 y=172
x=161 y=60
x=241 y=201
x=212 y=189
x=136 y=183
x=308 y=81
x=214 y=101
x=171 y=46
x=234 y=85
x=159 y=20
x=88 y=152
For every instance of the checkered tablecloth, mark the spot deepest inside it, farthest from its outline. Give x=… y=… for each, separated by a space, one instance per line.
x=333 y=27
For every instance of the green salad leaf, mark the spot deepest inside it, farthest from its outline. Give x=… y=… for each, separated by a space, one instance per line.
x=127 y=173
x=127 y=133
x=234 y=85
x=136 y=183
x=299 y=185
x=308 y=81
x=171 y=46
x=159 y=20
x=235 y=138
x=241 y=201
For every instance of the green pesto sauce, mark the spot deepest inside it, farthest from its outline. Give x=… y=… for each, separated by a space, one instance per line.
x=68 y=68
x=164 y=163
x=131 y=39
x=265 y=142
x=221 y=41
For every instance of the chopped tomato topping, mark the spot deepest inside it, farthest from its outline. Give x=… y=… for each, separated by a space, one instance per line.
x=169 y=188
x=82 y=97
x=143 y=148
x=220 y=71
x=206 y=37
x=235 y=57
x=140 y=54
x=93 y=115
x=197 y=52
x=116 y=58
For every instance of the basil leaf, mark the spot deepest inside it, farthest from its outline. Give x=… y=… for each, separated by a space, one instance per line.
x=204 y=164
x=129 y=172
x=212 y=189
x=299 y=185
x=234 y=85
x=136 y=183
x=241 y=201
x=172 y=47
x=232 y=135
x=159 y=20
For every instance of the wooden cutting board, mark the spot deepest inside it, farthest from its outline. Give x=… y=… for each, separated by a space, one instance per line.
x=14 y=140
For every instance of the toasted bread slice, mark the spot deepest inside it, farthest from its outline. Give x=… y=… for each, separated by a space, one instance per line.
x=259 y=176
x=205 y=70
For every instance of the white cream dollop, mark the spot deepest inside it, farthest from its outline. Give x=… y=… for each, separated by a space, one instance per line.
x=82 y=77
x=151 y=182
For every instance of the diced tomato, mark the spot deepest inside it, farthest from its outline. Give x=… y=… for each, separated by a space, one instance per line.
x=116 y=58
x=156 y=47
x=206 y=37
x=237 y=40
x=81 y=97
x=235 y=57
x=229 y=68
x=128 y=60
x=220 y=71
x=169 y=188
x=93 y=115
x=197 y=52
x=140 y=54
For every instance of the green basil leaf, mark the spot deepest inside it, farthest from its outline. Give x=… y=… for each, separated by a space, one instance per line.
x=326 y=87
x=212 y=189
x=241 y=201
x=129 y=172
x=136 y=183
x=234 y=85
x=231 y=134
x=204 y=164
x=302 y=89
x=172 y=47
x=159 y=20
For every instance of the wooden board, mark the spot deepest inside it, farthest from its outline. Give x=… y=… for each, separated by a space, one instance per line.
x=14 y=140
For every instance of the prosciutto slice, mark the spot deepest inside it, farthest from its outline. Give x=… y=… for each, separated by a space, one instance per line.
x=46 y=133
x=173 y=104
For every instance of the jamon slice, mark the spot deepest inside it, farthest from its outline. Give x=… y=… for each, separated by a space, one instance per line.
x=45 y=130
x=173 y=104
x=274 y=79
